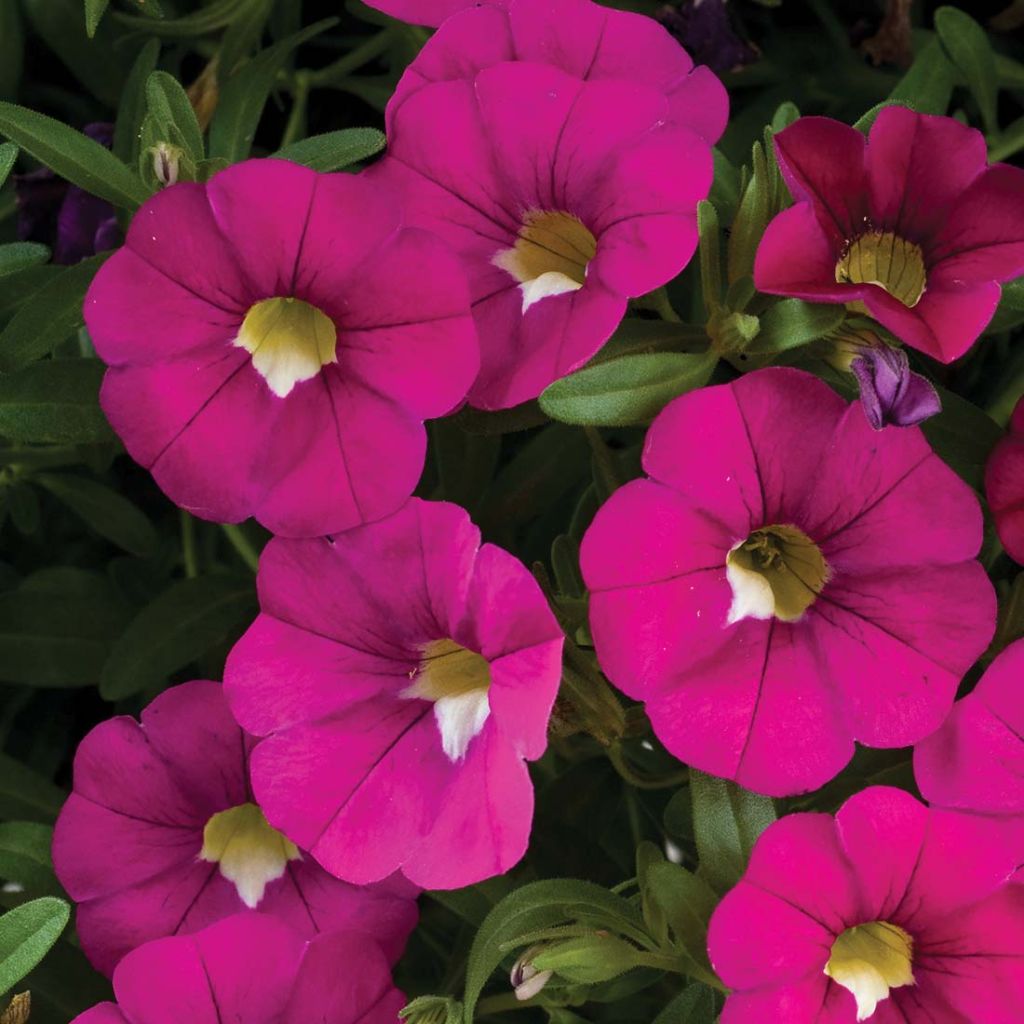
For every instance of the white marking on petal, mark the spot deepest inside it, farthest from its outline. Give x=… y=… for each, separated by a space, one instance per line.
x=752 y=595
x=460 y=719
x=547 y=285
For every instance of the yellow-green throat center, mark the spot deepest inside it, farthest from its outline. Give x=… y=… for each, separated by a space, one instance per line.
x=777 y=571
x=885 y=259
x=250 y=853
x=289 y=340
x=869 y=960
x=457 y=680
x=550 y=256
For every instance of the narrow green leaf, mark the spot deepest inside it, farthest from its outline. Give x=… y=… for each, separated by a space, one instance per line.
x=710 y=256
x=12 y=50
x=26 y=934
x=727 y=820
x=970 y=50
x=50 y=316
x=211 y=18
x=173 y=630
x=927 y=87
x=132 y=108
x=94 y=11
x=17 y=288
x=334 y=150
x=792 y=323
x=72 y=155
x=755 y=210
x=25 y=857
x=26 y=794
x=169 y=104
x=694 y=1005
x=8 y=154
x=687 y=902
x=17 y=256
x=244 y=95
x=56 y=402
x=108 y=513
x=630 y=390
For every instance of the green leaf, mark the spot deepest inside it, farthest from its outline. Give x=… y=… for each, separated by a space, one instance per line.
x=72 y=155
x=170 y=107
x=17 y=288
x=963 y=436
x=687 y=902
x=334 y=150
x=25 y=794
x=25 y=857
x=50 y=316
x=630 y=390
x=727 y=820
x=792 y=323
x=710 y=252
x=244 y=95
x=132 y=108
x=94 y=11
x=927 y=87
x=107 y=512
x=17 y=256
x=172 y=631
x=12 y=50
x=210 y=18
x=694 y=1005
x=589 y=959
x=970 y=50
x=8 y=154
x=26 y=934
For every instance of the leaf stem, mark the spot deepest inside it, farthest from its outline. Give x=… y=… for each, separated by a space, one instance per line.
x=242 y=545
x=354 y=59
x=188 y=544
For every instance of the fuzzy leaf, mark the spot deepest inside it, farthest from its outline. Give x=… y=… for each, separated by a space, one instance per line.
x=334 y=150
x=55 y=401
x=792 y=323
x=928 y=86
x=970 y=50
x=26 y=934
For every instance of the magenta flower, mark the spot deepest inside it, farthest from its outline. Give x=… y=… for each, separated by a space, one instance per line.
x=910 y=223
x=263 y=360
x=251 y=969
x=584 y=39
x=889 y=913
x=161 y=836
x=975 y=761
x=403 y=674
x=1004 y=486
x=563 y=198
x=786 y=581
x=890 y=393
x=425 y=12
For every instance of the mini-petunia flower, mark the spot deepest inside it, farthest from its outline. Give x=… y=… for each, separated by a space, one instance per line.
x=252 y=969
x=786 y=580
x=911 y=224
x=1004 y=486
x=161 y=836
x=889 y=913
x=563 y=197
x=975 y=761
x=586 y=40
x=275 y=339
x=403 y=674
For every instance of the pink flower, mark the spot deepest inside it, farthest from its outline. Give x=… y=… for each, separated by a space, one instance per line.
x=889 y=913
x=910 y=223
x=788 y=580
x=263 y=360
x=425 y=12
x=251 y=969
x=975 y=761
x=586 y=40
x=1004 y=486
x=563 y=198
x=402 y=674
x=161 y=836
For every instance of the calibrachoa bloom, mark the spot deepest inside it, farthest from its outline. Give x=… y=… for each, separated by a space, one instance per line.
x=563 y=198
x=889 y=913
x=910 y=223
x=403 y=674
x=1004 y=486
x=787 y=580
x=587 y=40
x=251 y=969
x=975 y=761
x=275 y=339
x=161 y=835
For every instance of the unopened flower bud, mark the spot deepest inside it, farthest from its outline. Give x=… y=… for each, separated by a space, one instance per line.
x=525 y=978
x=166 y=161
x=18 y=1009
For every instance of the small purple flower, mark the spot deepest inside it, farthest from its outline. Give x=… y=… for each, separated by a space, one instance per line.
x=889 y=392
x=72 y=222
x=705 y=29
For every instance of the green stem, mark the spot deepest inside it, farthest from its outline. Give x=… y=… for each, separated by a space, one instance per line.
x=242 y=545
x=296 y=125
x=628 y=774
x=502 y=1004
x=354 y=59
x=662 y=305
x=188 y=544
x=1004 y=403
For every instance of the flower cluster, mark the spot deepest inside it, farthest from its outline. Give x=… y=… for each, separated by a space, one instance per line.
x=789 y=577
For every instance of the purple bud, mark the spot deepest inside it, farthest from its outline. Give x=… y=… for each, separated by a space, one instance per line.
x=705 y=29
x=890 y=393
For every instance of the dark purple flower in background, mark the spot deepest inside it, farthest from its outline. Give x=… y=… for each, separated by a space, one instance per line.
x=705 y=29
x=890 y=392
x=61 y=215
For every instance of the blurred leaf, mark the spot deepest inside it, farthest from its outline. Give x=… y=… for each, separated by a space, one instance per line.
x=173 y=630
x=793 y=322
x=694 y=1005
x=334 y=150
x=94 y=11
x=928 y=86
x=727 y=820
x=170 y=107
x=12 y=50
x=8 y=154
x=52 y=314
x=25 y=794
x=211 y=17
x=25 y=857
x=244 y=95
x=26 y=933
x=23 y=505
x=17 y=256
x=970 y=50
x=104 y=510
x=55 y=401
x=17 y=288
x=243 y=35
x=132 y=108
x=64 y=985
x=963 y=436
x=630 y=390
x=72 y=155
